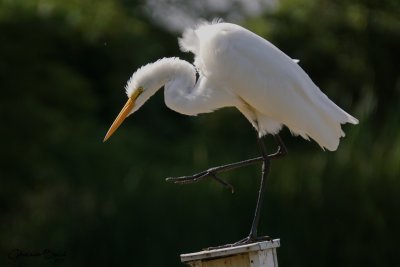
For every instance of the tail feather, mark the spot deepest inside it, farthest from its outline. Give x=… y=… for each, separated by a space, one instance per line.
x=328 y=131
x=322 y=123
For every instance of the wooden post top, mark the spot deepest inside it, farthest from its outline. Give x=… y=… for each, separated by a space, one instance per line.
x=252 y=253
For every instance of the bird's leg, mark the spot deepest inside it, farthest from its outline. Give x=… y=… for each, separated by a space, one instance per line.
x=223 y=182
x=281 y=151
x=212 y=172
x=253 y=235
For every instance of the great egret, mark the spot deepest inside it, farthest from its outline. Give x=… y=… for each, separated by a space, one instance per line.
x=238 y=68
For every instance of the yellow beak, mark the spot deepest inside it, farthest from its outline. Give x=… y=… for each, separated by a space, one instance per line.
x=120 y=118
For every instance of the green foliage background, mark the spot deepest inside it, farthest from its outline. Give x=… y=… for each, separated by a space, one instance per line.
x=63 y=66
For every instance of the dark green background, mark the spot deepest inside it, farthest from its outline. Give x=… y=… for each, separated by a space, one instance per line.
x=63 y=67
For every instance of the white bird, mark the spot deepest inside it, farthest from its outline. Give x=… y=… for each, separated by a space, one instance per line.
x=238 y=68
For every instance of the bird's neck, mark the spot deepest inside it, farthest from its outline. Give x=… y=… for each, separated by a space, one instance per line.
x=178 y=78
x=173 y=73
x=165 y=71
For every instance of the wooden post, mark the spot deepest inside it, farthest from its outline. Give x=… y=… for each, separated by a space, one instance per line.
x=260 y=254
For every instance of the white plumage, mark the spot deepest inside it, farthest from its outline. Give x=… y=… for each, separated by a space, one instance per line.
x=238 y=68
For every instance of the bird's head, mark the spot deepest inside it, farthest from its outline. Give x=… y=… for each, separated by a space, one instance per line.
x=140 y=87
x=147 y=80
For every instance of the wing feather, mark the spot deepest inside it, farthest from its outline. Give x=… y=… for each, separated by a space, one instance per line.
x=268 y=80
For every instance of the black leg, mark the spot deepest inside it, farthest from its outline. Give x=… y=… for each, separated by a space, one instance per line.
x=253 y=235
x=264 y=174
x=282 y=151
x=212 y=172
x=265 y=160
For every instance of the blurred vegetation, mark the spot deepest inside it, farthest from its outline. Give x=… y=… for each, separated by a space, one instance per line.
x=63 y=66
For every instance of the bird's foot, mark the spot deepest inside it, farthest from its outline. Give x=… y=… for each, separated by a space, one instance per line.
x=212 y=172
x=244 y=241
x=249 y=240
x=199 y=176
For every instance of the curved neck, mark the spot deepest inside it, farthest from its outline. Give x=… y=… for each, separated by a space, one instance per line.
x=182 y=93
x=173 y=72
x=162 y=72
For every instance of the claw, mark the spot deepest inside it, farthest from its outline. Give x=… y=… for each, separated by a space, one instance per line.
x=244 y=241
x=197 y=177
x=187 y=179
x=224 y=183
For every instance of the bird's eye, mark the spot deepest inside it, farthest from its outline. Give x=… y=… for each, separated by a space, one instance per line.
x=138 y=92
